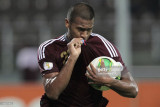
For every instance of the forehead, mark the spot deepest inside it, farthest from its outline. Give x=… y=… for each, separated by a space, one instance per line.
x=78 y=21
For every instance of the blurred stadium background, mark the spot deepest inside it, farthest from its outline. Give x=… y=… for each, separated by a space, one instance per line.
x=133 y=25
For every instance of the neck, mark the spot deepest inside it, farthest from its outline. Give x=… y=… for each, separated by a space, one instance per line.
x=68 y=38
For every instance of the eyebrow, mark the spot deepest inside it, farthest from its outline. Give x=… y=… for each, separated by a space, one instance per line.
x=84 y=29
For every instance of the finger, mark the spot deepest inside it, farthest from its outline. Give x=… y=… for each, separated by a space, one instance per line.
x=89 y=76
x=78 y=43
x=94 y=70
x=75 y=44
x=93 y=82
x=90 y=71
x=102 y=63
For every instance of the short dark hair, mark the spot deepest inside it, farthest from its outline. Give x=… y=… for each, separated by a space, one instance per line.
x=82 y=10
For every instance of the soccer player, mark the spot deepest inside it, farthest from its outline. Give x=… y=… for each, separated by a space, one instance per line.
x=63 y=63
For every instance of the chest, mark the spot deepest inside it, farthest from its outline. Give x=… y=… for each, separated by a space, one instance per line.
x=62 y=55
x=88 y=53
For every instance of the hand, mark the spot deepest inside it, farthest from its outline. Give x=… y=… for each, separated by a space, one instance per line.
x=99 y=77
x=74 y=47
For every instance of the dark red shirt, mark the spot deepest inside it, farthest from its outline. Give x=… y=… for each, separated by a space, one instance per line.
x=78 y=93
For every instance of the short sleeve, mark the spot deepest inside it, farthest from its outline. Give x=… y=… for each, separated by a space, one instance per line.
x=47 y=60
x=119 y=59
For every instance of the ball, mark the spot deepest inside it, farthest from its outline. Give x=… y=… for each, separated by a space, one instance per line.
x=109 y=67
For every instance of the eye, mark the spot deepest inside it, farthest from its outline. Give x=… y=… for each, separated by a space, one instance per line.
x=89 y=29
x=81 y=29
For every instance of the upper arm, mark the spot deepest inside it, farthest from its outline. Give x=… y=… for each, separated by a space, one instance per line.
x=47 y=64
x=125 y=74
x=49 y=78
x=127 y=77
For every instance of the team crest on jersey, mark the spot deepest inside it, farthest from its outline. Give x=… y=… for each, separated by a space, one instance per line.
x=48 y=65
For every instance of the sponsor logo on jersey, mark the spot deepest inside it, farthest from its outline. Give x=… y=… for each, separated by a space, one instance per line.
x=48 y=65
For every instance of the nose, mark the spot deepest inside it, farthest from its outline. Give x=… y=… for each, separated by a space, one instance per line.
x=84 y=34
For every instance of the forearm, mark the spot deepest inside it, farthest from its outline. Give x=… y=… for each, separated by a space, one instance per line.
x=126 y=89
x=55 y=82
x=56 y=87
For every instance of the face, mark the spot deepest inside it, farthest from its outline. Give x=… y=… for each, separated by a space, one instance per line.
x=79 y=28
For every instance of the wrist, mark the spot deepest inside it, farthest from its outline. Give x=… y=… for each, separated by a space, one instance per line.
x=112 y=83
x=72 y=58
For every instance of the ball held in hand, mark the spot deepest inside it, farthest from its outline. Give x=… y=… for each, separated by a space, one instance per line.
x=106 y=65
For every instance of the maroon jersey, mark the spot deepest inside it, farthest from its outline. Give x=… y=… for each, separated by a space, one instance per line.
x=78 y=93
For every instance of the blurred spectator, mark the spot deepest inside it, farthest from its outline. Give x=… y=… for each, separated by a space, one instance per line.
x=27 y=63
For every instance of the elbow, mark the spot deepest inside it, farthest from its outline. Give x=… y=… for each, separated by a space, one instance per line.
x=134 y=93
x=52 y=96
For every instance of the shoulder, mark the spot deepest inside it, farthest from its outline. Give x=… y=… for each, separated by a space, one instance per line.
x=49 y=45
x=99 y=37
x=101 y=40
x=95 y=35
x=108 y=46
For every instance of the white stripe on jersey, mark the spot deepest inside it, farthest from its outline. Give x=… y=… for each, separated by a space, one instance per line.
x=40 y=48
x=116 y=54
x=43 y=55
x=46 y=43
x=108 y=45
x=62 y=38
x=111 y=47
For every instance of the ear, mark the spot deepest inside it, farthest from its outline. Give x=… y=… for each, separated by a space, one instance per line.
x=67 y=23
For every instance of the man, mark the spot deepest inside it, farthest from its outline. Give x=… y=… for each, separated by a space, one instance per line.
x=63 y=63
